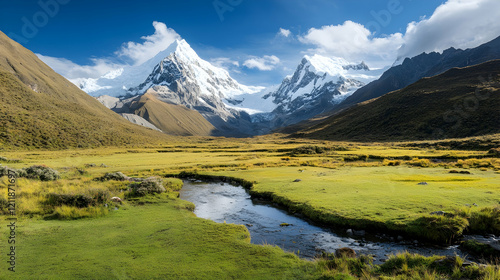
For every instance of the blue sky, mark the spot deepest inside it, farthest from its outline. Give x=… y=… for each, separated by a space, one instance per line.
x=243 y=35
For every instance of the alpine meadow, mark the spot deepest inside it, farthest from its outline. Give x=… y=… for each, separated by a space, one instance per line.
x=250 y=139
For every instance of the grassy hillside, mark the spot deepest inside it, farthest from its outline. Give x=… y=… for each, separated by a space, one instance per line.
x=170 y=118
x=41 y=109
x=423 y=65
x=461 y=102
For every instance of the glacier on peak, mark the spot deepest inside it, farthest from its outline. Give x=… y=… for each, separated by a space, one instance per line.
x=128 y=80
x=179 y=76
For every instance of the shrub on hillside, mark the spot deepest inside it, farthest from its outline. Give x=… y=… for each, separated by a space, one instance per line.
x=4 y=171
x=115 y=176
x=76 y=200
x=92 y=197
x=40 y=172
x=148 y=186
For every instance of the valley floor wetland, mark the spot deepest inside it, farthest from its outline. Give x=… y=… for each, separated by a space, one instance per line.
x=115 y=213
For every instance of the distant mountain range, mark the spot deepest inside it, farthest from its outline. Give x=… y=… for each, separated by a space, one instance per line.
x=423 y=65
x=41 y=109
x=461 y=102
x=178 y=93
x=181 y=77
x=319 y=86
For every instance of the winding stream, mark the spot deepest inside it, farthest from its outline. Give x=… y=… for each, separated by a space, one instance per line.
x=267 y=225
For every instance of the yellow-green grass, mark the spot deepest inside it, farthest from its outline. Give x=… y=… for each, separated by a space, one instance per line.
x=380 y=197
x=210 y=153
x=165 y=241
x=359 y=193
x=394 y=151
x=129 y=243
x=153 y=241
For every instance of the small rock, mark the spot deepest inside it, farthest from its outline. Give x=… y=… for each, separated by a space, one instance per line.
x=465 y=172
x=349 y=231
x=116 y=199
x=439 y=213
x=422 y=183
x=361 y=244
x=400 y=238
x=90 y=165
x=474 y=204
x=454 y=171
x=249 y=225
x=415 y=241
x=103 y=165
x=297 y=180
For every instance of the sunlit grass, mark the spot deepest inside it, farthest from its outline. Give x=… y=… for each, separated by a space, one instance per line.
x=356 y=184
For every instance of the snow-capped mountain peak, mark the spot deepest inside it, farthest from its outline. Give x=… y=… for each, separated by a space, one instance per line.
x=317 y=84
x=177 y=75
x=184 y=66
x=321 y=65
x=331 y=65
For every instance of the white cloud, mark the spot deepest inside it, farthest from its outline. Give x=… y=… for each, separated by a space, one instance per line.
x=352 y=41
x=71 y=70
x=456 y=23
x=224 y=62
x=284 y=32
x=132 y=52
x=265 y=63
x=159 y=41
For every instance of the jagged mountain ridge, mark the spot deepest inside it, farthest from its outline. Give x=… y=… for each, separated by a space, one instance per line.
x=423 y=65
x=423 y=110
x=316 y=86
x=183 y=78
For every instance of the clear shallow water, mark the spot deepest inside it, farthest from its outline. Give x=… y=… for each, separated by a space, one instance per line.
x=223 y=202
